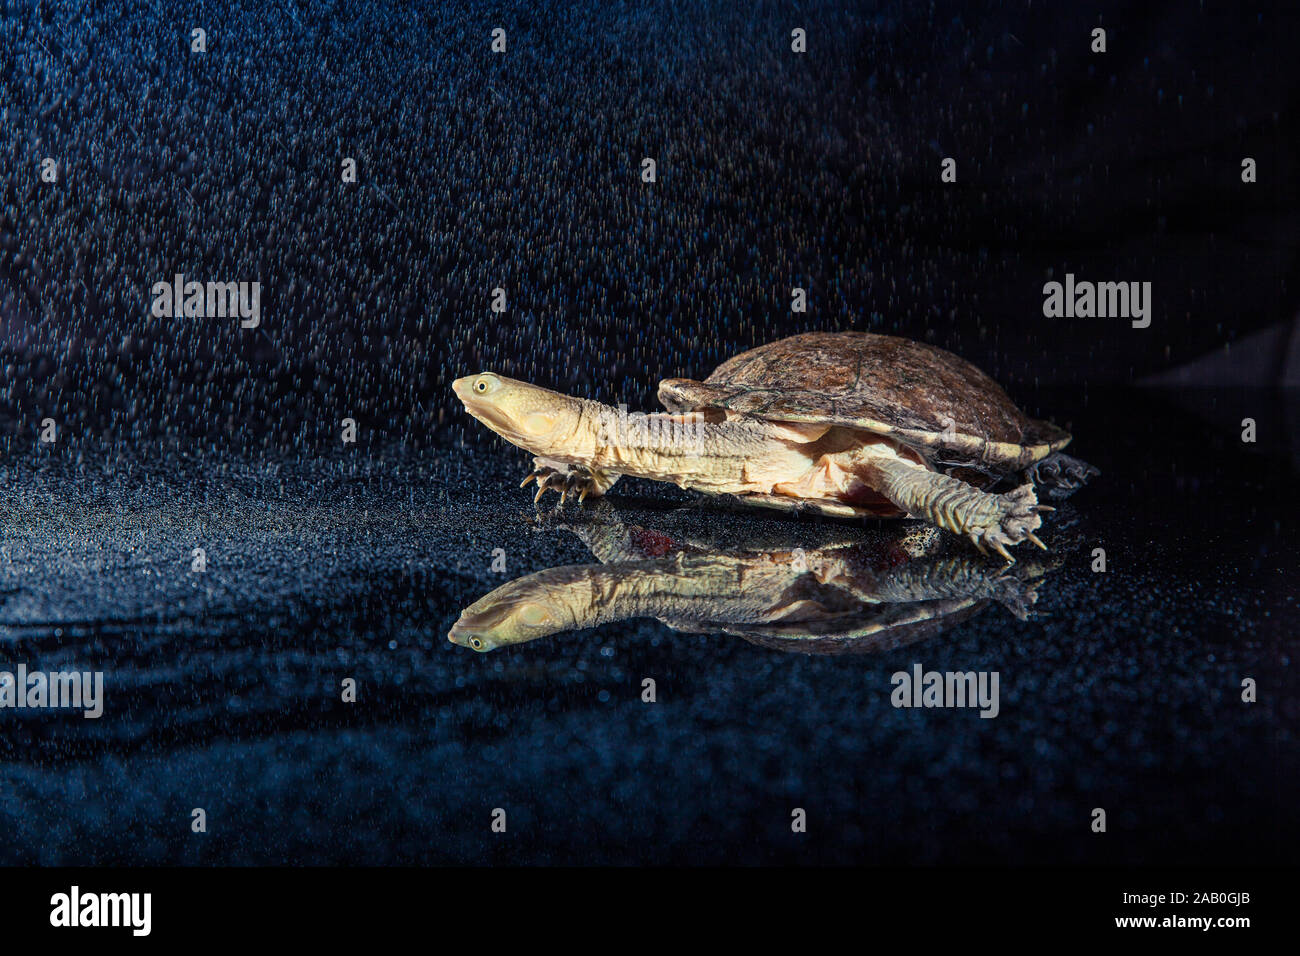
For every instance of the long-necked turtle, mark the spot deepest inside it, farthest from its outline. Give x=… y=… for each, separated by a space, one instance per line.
x=844 y=423
x=856 y=595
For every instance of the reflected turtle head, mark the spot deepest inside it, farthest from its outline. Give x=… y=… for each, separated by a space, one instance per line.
x=517 y=612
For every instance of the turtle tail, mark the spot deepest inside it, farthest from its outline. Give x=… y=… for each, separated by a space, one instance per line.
x=1059 y=475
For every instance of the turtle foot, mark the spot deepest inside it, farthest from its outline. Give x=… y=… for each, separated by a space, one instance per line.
x=1017 y=596
x=567 y=479
x=1060 y=476
x=990 y=521
x=1007 y=520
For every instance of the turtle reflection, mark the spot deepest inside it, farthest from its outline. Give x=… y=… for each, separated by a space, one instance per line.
x=864 y=593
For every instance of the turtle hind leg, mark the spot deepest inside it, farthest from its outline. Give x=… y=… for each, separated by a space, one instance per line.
x=990 y=521
x=1060 y=475
x=568 y=479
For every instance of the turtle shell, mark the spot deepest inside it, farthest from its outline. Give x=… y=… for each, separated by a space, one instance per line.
x=917 y=394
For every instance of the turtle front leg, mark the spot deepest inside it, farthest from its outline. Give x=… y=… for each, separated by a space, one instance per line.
x=993 y=521
x=569 y=479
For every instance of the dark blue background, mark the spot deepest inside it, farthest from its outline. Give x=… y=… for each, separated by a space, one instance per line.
x=521 y=171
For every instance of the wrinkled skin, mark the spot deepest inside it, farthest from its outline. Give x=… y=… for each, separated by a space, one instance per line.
x=582 y=446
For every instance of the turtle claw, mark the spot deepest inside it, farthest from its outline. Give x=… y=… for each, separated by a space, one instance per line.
x=1016 y=596
x=1012 y=518
x=565 y=480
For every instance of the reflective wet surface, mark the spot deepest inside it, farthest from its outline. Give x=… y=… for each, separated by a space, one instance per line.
x=796 y=588
x=771 y=642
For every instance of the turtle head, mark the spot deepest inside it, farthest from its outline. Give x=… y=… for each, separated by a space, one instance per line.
x=523 y=610
x=537 y=419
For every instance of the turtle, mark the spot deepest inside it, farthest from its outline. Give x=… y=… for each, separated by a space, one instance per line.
x=845 y=424
x=844 y=596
